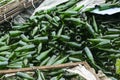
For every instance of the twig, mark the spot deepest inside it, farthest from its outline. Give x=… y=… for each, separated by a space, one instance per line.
x=43 y=67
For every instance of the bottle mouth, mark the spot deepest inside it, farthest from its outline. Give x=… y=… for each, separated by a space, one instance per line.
x=66 y=28
x=62 y=47
x=78 y=38
x=56 y=52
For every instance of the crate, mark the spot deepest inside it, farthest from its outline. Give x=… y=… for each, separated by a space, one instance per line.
x=12 y=72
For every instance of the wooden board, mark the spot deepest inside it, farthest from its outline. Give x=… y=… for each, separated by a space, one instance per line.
x=10 y=10
x=10 y=6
